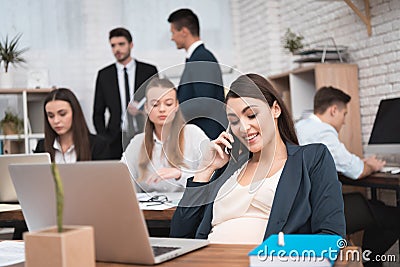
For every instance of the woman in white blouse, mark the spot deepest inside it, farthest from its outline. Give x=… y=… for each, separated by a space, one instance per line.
x=66 y=136
x=168 y=151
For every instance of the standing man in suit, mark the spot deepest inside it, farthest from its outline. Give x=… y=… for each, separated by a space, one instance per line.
x=117 y=89
x=201 y=85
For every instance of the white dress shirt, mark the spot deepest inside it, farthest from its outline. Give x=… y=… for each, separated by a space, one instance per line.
x=68 y=156
x=130 y=69
x=313 y=130
x=193 y=47
x=193 y=135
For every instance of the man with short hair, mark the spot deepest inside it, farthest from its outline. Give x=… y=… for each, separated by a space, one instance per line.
x=330 y=109
x=201 y=85
x=117 y=85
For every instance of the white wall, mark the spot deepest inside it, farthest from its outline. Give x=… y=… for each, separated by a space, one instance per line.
x=259 y=25
x=70 y=37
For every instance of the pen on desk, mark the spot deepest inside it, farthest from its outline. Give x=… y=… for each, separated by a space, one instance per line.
x=153 y=204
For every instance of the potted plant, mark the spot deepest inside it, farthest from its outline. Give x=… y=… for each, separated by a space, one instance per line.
x=60 y=246
x=292 y=41
x=11 y=123
x=10 y=54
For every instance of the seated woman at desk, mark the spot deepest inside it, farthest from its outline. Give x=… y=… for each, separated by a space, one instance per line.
x=255 y=179
x=66 y=136
x=168 y=151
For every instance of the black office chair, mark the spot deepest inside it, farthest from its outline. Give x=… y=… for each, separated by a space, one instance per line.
x=358 y=213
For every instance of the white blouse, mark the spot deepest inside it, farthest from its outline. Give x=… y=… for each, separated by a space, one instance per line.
x=68 y=156
x=240 y=214
x=193 y=136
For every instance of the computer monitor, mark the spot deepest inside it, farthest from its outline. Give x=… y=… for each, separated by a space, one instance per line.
x=386 y=128
x=385 y=136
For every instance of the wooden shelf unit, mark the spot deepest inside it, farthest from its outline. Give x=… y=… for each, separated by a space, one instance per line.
x=32 y=114
x=298 y=88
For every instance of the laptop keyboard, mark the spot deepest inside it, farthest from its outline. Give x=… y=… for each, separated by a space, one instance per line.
x=162 y=250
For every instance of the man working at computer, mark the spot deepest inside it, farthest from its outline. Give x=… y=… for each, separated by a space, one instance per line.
x=330 y=109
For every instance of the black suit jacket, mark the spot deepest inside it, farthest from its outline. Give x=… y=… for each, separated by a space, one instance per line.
x=107 y=96
x=201 y=87
x=98 y=146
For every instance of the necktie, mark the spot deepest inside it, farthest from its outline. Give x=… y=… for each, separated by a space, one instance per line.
x=127 y=99
x=127 y=93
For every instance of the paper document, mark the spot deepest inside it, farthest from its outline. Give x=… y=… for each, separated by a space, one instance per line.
x=149 y=206
x=12 y=252
x=9 y=207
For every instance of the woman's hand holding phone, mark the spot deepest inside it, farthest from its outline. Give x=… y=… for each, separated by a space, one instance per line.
x=214 y=157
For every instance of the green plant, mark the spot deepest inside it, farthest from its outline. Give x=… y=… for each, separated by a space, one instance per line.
x=59 y=196
x=13 y=121
x=292 y=41
x=9 y=52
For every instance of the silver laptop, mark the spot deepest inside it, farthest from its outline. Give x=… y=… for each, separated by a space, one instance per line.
x=101 y=194
x=7 y=191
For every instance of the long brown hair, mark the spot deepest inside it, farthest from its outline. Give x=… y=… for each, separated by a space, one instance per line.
x=80 y=131
x=173 y=153
x=255 y=86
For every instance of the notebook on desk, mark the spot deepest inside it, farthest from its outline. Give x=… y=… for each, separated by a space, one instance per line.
x=101 y=194
x=7 y=191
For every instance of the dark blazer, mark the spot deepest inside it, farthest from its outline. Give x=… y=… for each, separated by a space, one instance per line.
x=98 y=146
x=107 y=96
x=308 y=199
x=201 y=86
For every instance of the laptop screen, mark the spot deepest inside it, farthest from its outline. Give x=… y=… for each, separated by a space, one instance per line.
x=386 y=129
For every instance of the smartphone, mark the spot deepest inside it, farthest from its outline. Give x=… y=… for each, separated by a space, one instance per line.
x=227 y=150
